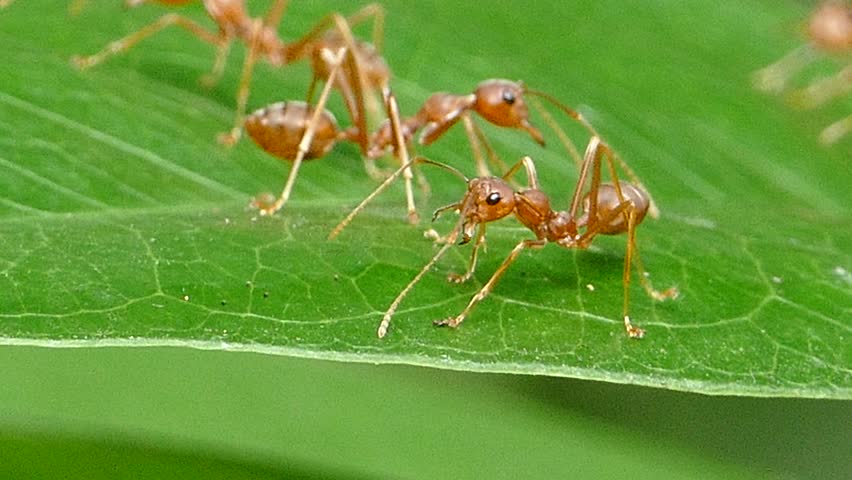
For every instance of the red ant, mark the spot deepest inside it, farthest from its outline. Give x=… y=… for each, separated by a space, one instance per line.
x=829 y=31
x=365 y=69
x=608 y=209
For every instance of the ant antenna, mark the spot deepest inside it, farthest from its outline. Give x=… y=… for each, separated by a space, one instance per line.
x=384 y=185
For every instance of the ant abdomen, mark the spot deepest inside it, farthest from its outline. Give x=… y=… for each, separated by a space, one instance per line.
x=608 y=201
x=278 y=129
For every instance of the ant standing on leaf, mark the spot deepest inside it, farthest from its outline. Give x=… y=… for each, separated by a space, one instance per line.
x=829 y=31
x=607 y=209
x=365 y=66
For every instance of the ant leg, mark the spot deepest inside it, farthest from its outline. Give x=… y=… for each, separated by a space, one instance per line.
x=377 y=13
x=258 y=28
x=478 y=242
x=529 y=166
x=633 y=256
x=308 y=136
x=125 y=43
x=773 y=78
x=560 y=134
x=591 y=158
x=275 y=14
x=476 y=138
x=233 y=136
x=836 y=131
x=820 y=92
x=653 y=210
x=401 y=151
x=211 y=78
x=669 y=293
x=632 y=331
x=478 y=160
x=372 y=10
x=381 y=188
x=495 y=159
x=486 y=289
x=383 y=326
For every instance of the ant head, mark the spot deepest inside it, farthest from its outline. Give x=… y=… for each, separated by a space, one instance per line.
x=502 y=103
x=487 y=199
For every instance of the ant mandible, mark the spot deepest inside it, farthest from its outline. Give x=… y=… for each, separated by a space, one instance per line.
x=261 y=37
x=829 y=31
x=608 y=209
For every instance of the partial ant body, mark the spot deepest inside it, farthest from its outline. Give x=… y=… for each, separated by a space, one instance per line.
x=364 y=70
x=497 y=101
x=829 y=32
x=607 y=209
x=296 y=131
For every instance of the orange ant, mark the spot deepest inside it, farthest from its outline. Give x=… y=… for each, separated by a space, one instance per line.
x=608 y=209
x=296 y=131
x=365 y=69
x=829 y=31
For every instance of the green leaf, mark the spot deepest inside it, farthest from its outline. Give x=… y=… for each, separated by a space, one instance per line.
x=124 y=223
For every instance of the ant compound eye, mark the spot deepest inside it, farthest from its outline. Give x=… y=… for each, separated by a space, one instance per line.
x=493 y=198
x=508 y=97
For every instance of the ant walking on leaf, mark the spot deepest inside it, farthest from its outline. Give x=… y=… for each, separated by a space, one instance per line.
x=829 y=32
x=613 y=208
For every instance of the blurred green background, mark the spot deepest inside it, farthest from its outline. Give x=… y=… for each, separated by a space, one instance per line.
x=181 y=413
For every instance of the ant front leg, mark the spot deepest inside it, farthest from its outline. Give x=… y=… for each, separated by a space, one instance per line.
x=454 y=322
x=478 y=242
